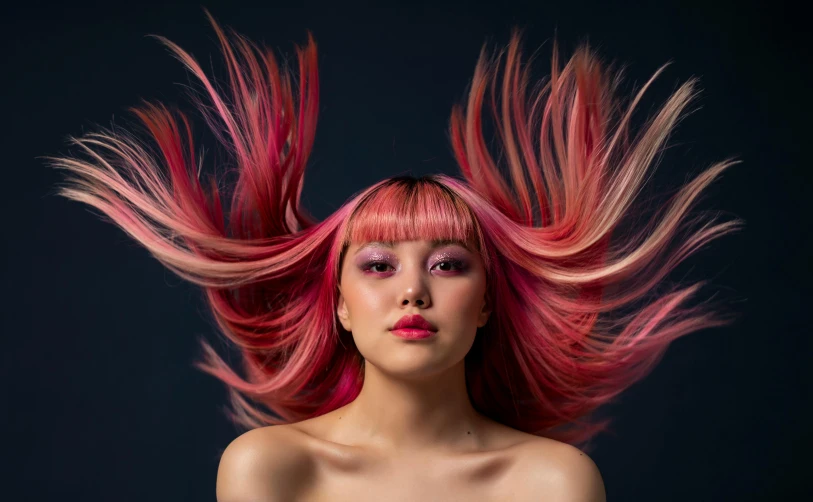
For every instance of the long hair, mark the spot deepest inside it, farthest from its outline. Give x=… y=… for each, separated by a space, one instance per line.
x=576 y=317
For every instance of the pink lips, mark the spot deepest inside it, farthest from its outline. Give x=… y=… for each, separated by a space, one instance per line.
x=413 y=327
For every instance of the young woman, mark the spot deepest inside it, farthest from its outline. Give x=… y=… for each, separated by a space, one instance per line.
x=434 y=338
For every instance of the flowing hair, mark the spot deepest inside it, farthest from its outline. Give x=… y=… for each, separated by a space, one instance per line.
x=576 y=317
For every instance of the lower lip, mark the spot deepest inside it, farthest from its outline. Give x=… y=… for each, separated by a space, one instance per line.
x=412 y=333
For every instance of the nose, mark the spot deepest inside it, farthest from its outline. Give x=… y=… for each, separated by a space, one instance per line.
x=414 y=291
x=415 y=299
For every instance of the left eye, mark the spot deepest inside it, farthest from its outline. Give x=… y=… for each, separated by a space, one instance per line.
x=451 y=265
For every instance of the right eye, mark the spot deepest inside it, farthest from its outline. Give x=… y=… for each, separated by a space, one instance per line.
x=376 y=267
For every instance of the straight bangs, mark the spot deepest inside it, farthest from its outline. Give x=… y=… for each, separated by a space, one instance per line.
x=407 y=208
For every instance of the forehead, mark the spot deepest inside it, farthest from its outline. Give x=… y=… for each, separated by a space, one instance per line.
x=426 y=243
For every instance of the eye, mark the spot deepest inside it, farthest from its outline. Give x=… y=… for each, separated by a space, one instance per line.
x=381 y=267
x=450 y=265
x=371 y=267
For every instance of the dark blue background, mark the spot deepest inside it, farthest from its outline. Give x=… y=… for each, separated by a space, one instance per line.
x=101 y=401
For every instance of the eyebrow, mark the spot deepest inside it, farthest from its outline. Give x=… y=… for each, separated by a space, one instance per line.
x=435 y=244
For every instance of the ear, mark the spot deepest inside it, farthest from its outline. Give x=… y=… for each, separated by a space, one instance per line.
x=485 y=312
x=343 y=313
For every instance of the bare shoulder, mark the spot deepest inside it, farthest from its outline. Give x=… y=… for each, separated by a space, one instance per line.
x=266 y=464
x=561 y=471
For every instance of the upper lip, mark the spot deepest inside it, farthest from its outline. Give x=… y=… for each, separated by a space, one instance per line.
x=414 y=321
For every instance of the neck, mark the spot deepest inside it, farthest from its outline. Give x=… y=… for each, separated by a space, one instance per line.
x=395 y=414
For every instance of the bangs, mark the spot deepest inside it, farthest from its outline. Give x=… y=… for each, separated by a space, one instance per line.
x=406 y=209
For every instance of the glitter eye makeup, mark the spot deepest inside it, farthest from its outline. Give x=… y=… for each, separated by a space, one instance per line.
x=447 y=262
x=452 y=259
x=373 y=261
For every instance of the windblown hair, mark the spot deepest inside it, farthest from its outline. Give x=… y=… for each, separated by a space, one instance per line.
x=556 y=346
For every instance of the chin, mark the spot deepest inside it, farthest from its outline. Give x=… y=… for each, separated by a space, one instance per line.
x=410 y=365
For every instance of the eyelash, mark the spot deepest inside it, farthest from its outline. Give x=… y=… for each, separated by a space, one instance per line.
x=459 y=266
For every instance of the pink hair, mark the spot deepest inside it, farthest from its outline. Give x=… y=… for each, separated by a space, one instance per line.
x=544 y=361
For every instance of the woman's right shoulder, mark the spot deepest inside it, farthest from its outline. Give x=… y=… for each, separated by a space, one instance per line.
x=264 y=464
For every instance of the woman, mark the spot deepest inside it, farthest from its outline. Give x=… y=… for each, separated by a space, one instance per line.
x=434 y=338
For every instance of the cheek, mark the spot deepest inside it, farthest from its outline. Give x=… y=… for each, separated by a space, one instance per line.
x=365 y=301
x=463 y=297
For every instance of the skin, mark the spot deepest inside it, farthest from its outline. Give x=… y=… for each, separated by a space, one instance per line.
x=422 y=382
x=412 y=433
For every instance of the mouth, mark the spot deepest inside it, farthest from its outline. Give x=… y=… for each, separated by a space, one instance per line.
x=413 y=333
x=414 y=321
x=413 y=327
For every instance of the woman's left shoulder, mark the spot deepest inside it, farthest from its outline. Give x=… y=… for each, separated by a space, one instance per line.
x=561 y=471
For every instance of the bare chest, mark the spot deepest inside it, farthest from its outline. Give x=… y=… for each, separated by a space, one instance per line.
x=472 y=480
x=411 y=491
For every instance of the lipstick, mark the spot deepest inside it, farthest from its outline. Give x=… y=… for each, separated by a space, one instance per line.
x=413 y=327
x=413 y=334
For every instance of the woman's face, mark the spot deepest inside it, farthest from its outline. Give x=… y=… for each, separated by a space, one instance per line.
x=445 y=284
